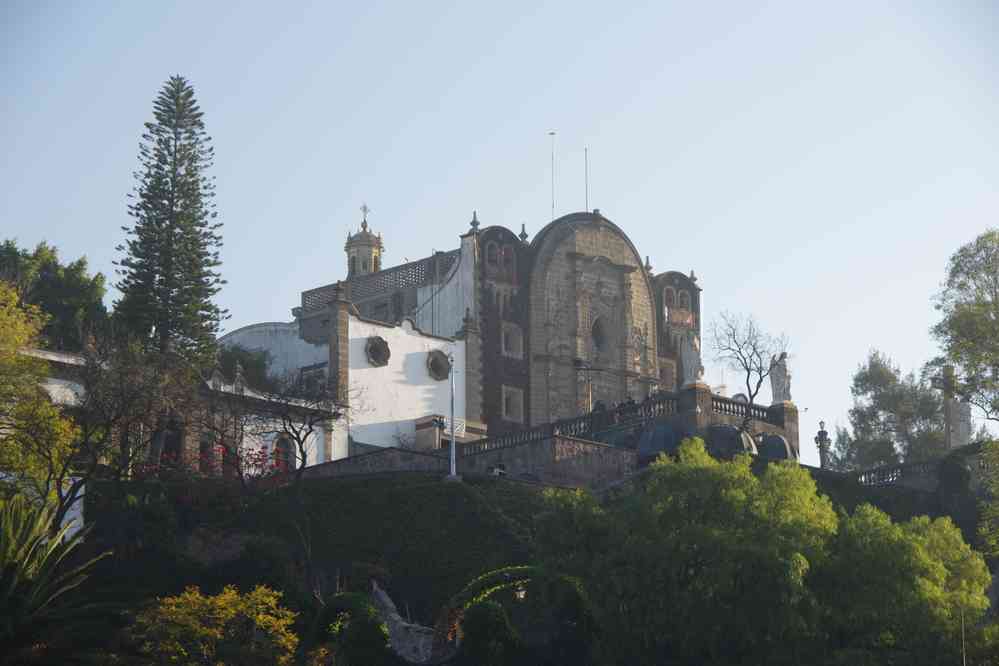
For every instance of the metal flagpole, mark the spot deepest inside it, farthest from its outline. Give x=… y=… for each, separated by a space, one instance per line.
x=551 y=133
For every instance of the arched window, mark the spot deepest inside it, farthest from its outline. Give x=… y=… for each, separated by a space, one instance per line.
x=509 y=260
x=491 y=254
x=353 y=265
x=669 y=297
x=378 y=263
x=364 y=266
x=599 y=335
x=282 y=454
x=684 y=299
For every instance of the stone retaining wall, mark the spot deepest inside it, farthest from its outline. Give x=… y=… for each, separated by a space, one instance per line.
x=389 y=459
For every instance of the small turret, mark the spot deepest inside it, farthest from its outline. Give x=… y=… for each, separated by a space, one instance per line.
x=364 y=249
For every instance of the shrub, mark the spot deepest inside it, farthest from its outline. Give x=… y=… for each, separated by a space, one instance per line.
x=263 y=561
x=488 y=638
x=227 y=628
x=358 y=636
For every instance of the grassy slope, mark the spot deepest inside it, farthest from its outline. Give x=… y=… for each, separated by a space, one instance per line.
x=431 y=537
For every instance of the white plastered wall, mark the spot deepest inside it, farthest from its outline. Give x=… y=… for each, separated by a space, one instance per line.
x=386 y=401
x=441 y=307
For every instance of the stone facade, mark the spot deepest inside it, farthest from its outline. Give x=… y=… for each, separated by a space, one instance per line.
x=592 y=324
x=569 y=320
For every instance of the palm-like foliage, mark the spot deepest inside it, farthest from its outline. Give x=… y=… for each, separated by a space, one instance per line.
x=34 y=574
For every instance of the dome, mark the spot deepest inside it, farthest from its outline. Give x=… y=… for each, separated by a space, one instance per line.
x=655 y=439
x=775 y=447
x=363 y=237
x=726 y=441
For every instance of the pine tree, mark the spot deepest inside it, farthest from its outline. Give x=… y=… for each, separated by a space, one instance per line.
x=169 y=272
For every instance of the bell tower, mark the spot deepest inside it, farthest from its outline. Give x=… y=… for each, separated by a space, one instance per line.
x=364 y=249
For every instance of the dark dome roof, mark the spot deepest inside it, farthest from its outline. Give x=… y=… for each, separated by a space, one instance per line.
x=775 y=447
x=364 y=237
x=658 y=438
x=725 y=441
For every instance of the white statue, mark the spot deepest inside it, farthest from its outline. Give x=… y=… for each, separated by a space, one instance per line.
x=690 y=358
x=780 y=379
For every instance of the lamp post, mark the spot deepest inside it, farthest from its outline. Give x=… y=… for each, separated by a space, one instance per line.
x=453 y=475
x=822 y=441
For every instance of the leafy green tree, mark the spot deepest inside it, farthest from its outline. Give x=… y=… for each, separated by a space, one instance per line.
x=169 y=270
x=699 y=536
x=255 y=365
x=29 y=422
x=51 y=452
x=68 y=294
x=988 y=515
x=36 y=579
x=709 y=561
x=894 y=418
x=850 y=453
x=969 y=328
x=896 y=593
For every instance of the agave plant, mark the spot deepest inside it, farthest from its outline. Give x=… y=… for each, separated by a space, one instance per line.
x=33 y=573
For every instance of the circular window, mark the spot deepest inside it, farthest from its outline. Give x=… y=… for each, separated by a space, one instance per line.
x=599 y=336
x=438 y=365
x=377 y=351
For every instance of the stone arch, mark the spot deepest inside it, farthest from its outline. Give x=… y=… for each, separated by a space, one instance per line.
x=492 y=254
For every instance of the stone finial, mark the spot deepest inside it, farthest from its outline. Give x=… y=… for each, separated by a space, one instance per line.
x=523 y=232
x=693 y=278
x=475 y=221
x=648 y=265
x=468 y=324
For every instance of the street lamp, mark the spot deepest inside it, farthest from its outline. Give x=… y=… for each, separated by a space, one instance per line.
x=453 y=474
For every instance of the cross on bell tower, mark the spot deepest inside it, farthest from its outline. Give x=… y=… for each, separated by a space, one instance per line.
x=364 y=249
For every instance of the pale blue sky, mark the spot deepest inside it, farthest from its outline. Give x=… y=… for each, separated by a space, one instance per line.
x=814 y=163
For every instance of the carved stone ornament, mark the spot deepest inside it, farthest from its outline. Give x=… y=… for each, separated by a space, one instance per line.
x=438 y=365
x=377 y=351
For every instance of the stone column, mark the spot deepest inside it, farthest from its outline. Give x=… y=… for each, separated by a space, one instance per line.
x=339 y=364
x=785 y=414
x=694 y=405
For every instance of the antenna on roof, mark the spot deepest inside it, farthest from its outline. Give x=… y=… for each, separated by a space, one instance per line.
x=551 y=133
x=586 y=176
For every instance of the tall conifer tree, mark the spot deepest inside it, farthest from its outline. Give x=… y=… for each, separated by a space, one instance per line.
x=169 y=272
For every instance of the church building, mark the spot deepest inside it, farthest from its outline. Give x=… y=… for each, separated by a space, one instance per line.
x=536 y=329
